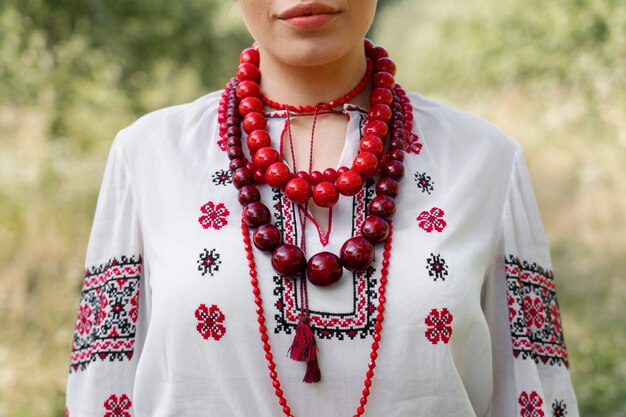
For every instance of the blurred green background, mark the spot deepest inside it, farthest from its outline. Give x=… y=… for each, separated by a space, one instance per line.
x=552 y=74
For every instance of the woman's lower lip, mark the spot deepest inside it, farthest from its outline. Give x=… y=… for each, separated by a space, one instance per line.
x=309 y=22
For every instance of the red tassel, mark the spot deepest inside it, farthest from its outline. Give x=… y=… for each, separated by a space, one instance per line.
x=313 y=373
x=303 y=347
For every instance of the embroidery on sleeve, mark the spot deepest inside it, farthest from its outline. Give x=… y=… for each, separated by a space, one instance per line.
x=559 y=408
x=531 y=404
x=534 y=316
x=107 y=314
x=117 y=406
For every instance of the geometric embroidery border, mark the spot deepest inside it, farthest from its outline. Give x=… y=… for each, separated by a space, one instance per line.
x=107 y=314
x=534 y=316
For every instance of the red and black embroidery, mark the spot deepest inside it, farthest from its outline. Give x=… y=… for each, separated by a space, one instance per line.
x=424 y=182
x=222 y=177
x=559 y=408
x=210 y=322
x=358 y=322
x=439 y=326
x=209 y=262
x=530 y=404
x=437 y=267
x=412 y=144
x=107 y=314
x=214 y=216
x=534 y=316
x=117 y=406
x=432 y=220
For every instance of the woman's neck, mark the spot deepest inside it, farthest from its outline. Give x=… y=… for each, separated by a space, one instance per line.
x=308 y=85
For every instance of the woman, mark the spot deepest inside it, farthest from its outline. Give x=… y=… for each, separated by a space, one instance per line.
x=209 y=293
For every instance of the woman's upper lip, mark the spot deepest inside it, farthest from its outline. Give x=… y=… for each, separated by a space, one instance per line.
x=307 y=9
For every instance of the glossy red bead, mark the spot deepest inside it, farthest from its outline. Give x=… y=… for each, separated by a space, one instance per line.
x=393 y=169
x=383 y=79
x=349 y=183
x=249 y=105
x=304 y=175
x=248 y=89
x=298 y=190
x=254 y=121
x=235 y=152
x=357 y=253
x=330 y=175
x=249 y=194
x=387 y=186
x=381 y=96
x=288 y=260
x=277 y=175
x=242 y=177
x=248 y=71
x=381 y=206
x=325 y=194
x=324 y=269
x=237 y=163
x=265 y=157
x=250 y=55
x=342 y=169
x=375 y=229
x=316 y=177
x=376 y=128
x=380 y=112
x=258 y=139
x=366 y=164
x=267 y=237
x=385 y=64
x=396 y=154
x=373 y=144
x=256 y=214
x=377 y=52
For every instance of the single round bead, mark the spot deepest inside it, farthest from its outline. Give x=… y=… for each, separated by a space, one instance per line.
x=248 y=88
x=267 y=237
x=397 y=154
x=381 y=96
x=304 y=175
x=380 y=112
x=366 y=164
x=235 y=152
x=232 y=121
x=249 y=194
x=377 y=52
x=375 y=229
x=247 y=71
x=376 y=128
x=288 y=260
x=254 y=121
x=383 y=79
x=382 y=206
x=396 y=144
x=325 y=194
x=233 y=141
x=357 y=253
x=349 y=183
x=242 y=177
x=373 y=144
x=316 y=177
x=298 y=190
x=341 y=170
x=259 y=176
x=324 y=269
x=385 y=64
x=249 y=105
x=256 y=214
x=393 y=169
x=265 y=157
x=250 y=55
x=277 y=175
x=258 y=139
x=330 y=175
x=233 y=131
x=387 y=186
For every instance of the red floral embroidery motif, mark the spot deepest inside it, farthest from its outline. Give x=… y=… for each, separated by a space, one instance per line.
x=117 y=407
x=534 y=311
x=555 y=317
x=412 y=144
x=439 y=326
x=84 y=320
x=134 y=310
x=432 y=220
x=214 y=215
x=531 y=404
x=210 y=322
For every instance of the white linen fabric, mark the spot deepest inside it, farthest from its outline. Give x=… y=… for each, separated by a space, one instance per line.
x=167 y=325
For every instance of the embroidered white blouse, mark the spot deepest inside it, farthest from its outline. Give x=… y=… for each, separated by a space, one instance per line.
x=167 y=324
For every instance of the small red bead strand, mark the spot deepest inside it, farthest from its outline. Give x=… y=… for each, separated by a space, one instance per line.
x=267 y=348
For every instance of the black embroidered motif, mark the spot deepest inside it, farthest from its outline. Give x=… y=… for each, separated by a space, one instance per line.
x=559 y=408
x=222 y=177
x=437 y=267
x=108 y=312
x=536 y=331
x=424 y=182
x=209 y=262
